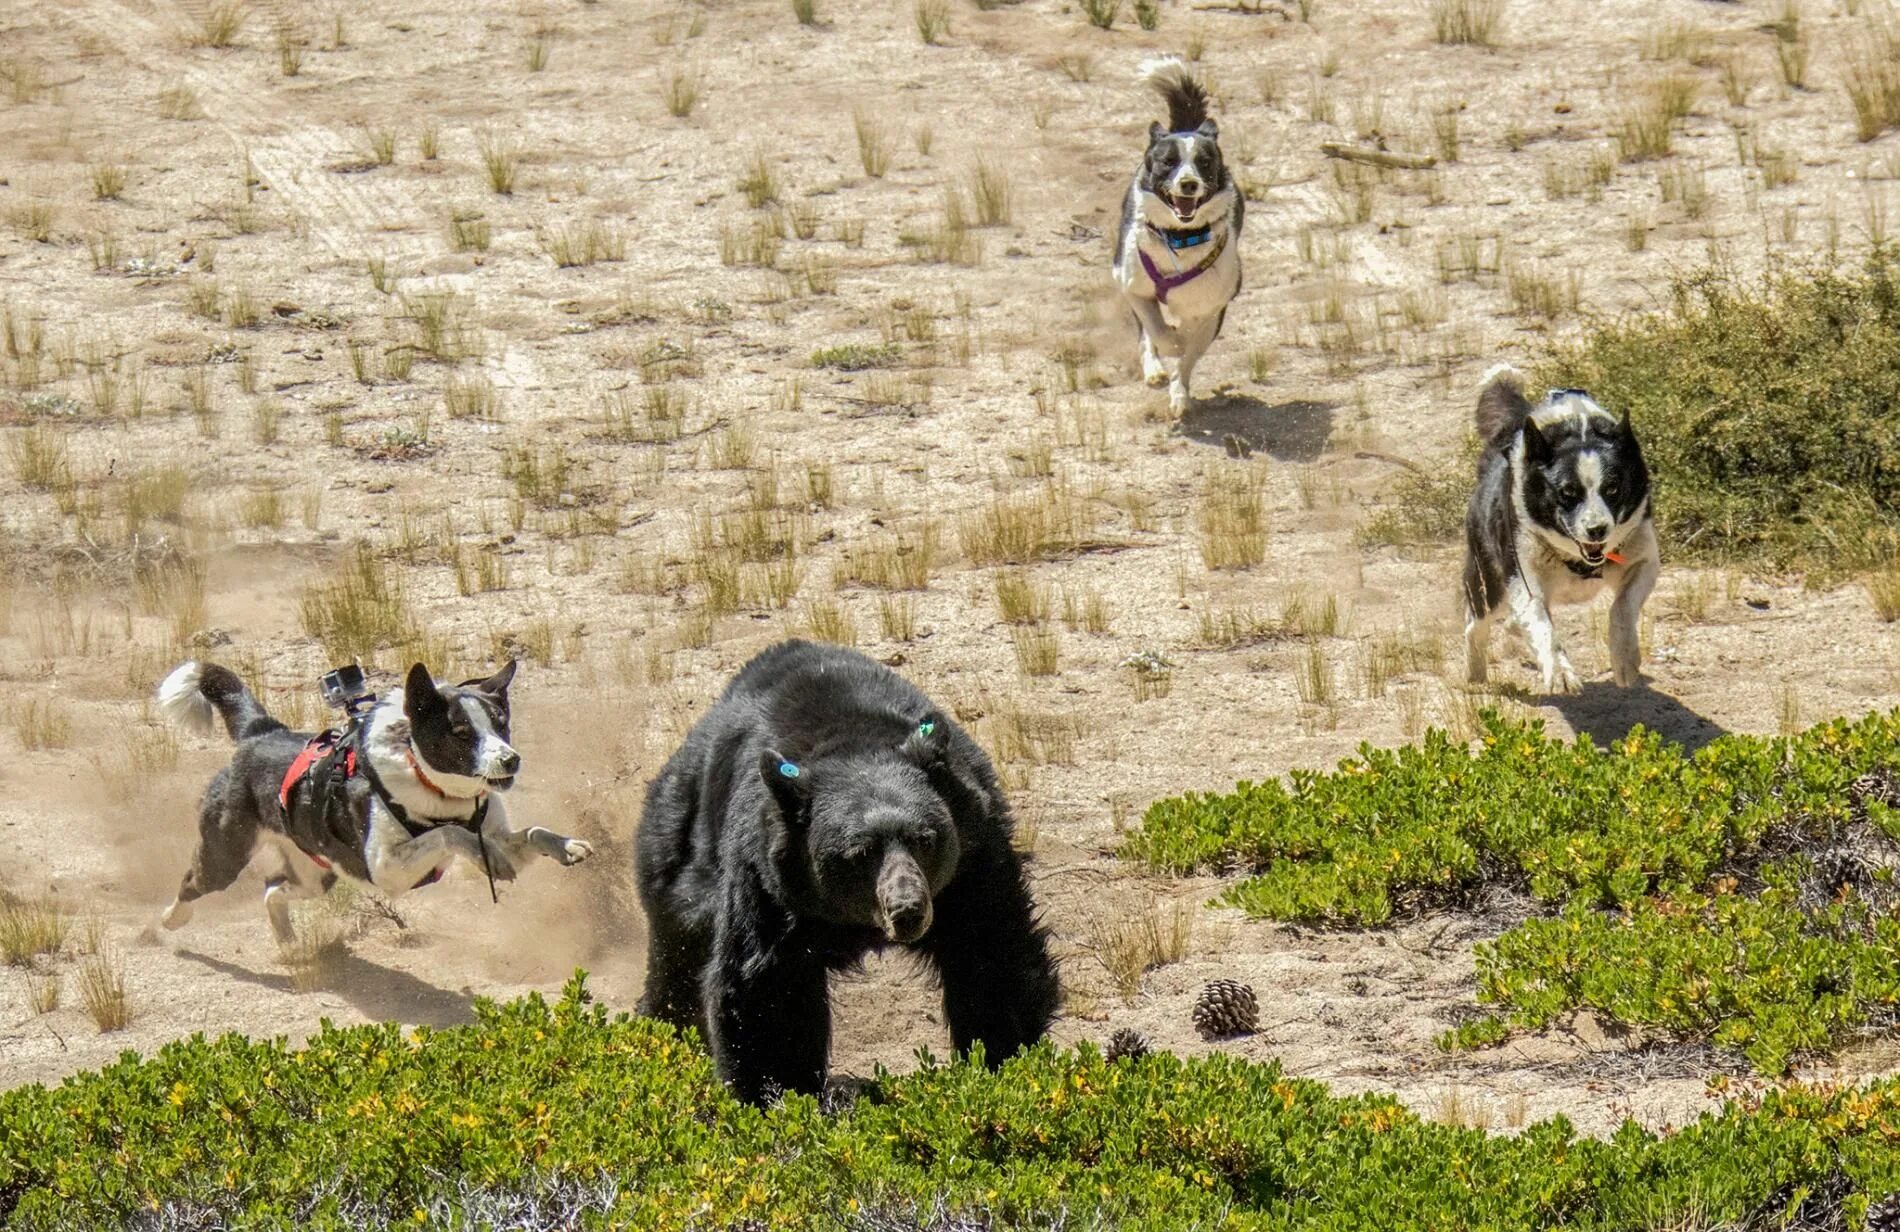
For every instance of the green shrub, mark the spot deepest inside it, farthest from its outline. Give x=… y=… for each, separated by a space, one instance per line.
x=621 y=1122
x=1754 y=974
x=1641 y=846
x=1402 y=830
x=1766 y=412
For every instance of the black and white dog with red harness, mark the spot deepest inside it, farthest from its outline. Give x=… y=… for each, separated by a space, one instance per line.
x=1177 y=258
x=390 y=800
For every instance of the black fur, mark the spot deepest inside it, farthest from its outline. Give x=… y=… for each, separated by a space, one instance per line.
x=1550 y=492
x=1187 y=101
x=440 y=728
x=244 y=716
x=822 y=805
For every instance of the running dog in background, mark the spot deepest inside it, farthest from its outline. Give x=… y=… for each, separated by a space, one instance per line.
x=1560 y=511
x=392 y=805
x=1177 y=258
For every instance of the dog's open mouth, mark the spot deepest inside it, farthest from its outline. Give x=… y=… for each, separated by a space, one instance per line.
x=500 y=783
x=1592 y=552
x=1183 y=207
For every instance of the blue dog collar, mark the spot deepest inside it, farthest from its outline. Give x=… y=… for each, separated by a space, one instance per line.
x=1178 y=240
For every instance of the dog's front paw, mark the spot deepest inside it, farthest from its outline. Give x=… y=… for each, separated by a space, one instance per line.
x=1560 y=677
x=1178 y=400
x=574 y=850
x=1155 y=373
x=1627 y=675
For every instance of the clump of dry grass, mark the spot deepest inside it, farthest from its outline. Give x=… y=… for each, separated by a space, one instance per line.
x=501 y=162
x=828 y=620
x=40 y=723
x=360 y=608
x=29 y=927
x=102 y=989
x=108 y=181
x=679 y=89
x=1020 y=528
x=1020 y=599
x=1232 y=517
x=1883 y=587
x=1131 y=943
x=41 y=459
x=1038 y=648
x=900 y=561
x=586 y=243
x=1475 y=22
x=875 y=144
x=219 y=24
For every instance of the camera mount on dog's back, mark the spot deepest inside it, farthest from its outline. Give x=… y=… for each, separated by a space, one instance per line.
x=346 y=689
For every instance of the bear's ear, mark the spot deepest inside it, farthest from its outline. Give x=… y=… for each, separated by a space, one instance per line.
x=928 y=740
x=788 y=781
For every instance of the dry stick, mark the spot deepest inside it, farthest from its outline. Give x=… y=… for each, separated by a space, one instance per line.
x=1378 y=158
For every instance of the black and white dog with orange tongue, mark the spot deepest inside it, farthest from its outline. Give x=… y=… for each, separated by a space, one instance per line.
x=1177 y=258
x=407 y=789
x=1560 y=511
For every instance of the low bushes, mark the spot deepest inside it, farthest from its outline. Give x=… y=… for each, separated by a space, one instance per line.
x=1726 y=895
x=561 y=1116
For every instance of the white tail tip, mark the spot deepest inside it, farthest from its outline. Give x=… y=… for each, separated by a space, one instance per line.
x=181 y=700
x=1505 y=373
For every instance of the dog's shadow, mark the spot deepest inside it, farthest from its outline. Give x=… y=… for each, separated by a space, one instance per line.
x=1607 y=713
x=1288 y=431
x=379 y=993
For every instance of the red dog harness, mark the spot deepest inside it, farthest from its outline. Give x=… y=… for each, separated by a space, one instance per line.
x=332 y=758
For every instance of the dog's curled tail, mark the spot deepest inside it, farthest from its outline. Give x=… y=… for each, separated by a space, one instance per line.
x=1502 y=407
x=196 y=693
x=1175 y=81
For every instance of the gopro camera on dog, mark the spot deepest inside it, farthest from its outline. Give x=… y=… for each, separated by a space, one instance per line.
x=344 y=687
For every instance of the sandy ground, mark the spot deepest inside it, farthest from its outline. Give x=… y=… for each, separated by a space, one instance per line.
x=1017 y=364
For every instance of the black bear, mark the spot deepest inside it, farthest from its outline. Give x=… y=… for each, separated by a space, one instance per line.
x=823 y=809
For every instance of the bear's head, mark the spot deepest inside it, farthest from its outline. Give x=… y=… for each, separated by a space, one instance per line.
x=878 y=840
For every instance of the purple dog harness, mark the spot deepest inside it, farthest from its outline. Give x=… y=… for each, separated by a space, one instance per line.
x=1165 y=283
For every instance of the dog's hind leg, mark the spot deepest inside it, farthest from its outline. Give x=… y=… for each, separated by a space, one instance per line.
x=277 y=909
x=1477 y=649
x=226 y=839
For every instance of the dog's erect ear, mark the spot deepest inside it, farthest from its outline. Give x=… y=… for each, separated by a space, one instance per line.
x=419 y=695
x=927 y=741
x=1209 y=129
x=1536 y=446
x=495 y=686
x=1156 y=133
x=789 y=782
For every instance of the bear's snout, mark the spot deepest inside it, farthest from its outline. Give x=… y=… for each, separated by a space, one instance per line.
x=903 y=899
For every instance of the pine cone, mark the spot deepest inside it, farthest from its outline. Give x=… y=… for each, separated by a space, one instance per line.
x=1226 y=1007
x=1128 y=1043
x=1883 y=1214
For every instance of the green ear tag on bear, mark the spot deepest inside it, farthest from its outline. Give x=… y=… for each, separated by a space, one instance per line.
x=926 y=727
x=788 y=770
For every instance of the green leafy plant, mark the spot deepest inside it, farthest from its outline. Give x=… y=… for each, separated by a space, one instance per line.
x=1639 y=848
x=537 y=1108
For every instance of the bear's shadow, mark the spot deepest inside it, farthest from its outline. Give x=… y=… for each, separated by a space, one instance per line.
x=1288 y=431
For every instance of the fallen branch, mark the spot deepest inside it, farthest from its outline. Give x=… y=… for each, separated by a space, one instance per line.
x=1378 y=158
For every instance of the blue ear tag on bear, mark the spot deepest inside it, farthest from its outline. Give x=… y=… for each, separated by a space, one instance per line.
x=925 y=728
x=787 y=770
